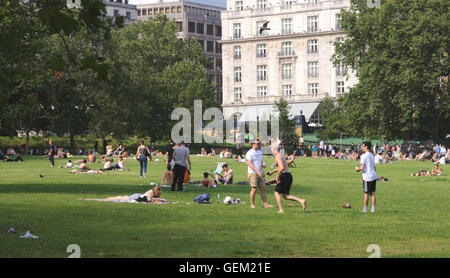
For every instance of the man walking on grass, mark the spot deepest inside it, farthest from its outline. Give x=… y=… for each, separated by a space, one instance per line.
x=369 y=175
x=51 y=153
x=283 y=179
x=255 y=174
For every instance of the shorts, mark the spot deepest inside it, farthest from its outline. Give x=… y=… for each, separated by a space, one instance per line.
x=369 y=186
x=256 y=181
x=223 y=181
x=284 y=187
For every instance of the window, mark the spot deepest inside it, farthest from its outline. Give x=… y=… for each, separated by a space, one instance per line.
x=237 y=52
x=286 y=26
x=261 y=91
x=180 y=26
x=261 y=50
x=200 y=28
x=237 y=74
x=313 y=23
x=219 y=65
x=173 y=9
x=116 y=12
x=286 y=71
x=202 y=43
x=210 y=46
x=338 y=21
x=340 y=87
x=236 y=30
x=128 y=15
x=178 y=9
x=261 y=73
x=191 y=27
x=239 y=5
x=340 y=69
x=286 y=48
x=218 y=31
x=340 y=40
x=218 y=47
x=313 y=69
x=313 y=88
x=210 y=30
x=286 y=90
x=313 y=46
x=312 y=3
x=150 y=11
x=139 y=12
x=259 y=24
x=262 y=5
x=167 y=10
x=287 y=3
x=237 y=93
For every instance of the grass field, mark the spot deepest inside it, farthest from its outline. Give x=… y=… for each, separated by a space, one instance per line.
x=412 y=217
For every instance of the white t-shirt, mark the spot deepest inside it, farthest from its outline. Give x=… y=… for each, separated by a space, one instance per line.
x=368 y=172
x=378 y=159
x=107 y=165
x=69 y=165
x=256 y=158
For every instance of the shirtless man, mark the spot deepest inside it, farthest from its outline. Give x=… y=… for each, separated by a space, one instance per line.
x=283 y=179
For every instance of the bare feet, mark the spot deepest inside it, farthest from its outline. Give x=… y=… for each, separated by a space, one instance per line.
x=280 y=211
x=252 y=206
x=304 y=205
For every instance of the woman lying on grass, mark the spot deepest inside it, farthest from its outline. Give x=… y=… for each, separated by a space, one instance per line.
x=436 y=171
x=84 y=169
x=151 y=196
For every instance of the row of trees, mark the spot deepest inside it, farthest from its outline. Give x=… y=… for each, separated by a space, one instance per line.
x=400 y=54
x=75 y=71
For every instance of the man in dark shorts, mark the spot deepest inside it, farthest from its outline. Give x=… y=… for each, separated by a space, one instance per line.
x=51 y=153
x=283 y=179
x=369 y=175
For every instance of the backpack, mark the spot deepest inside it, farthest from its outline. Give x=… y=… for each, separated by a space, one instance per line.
x=202 y=199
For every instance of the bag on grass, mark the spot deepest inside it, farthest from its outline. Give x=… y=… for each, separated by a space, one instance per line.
x=204 y=198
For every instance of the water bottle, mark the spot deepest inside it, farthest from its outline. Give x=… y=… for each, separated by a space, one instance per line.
x=218 y=198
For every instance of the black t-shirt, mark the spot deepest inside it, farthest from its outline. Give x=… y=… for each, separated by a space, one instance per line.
x=170 y=151
x=52 y=150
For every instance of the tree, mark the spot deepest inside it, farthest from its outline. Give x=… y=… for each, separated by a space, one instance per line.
x=400 y=55
x=333 y=119
x=286 y=121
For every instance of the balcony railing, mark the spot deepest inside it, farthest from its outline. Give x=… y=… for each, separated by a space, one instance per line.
x=296 y=97
x=286 y=53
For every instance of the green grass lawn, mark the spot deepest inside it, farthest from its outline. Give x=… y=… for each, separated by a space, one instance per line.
x=412 y=217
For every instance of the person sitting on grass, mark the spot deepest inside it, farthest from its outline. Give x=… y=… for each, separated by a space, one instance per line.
x=7 y=158
x=84 y=169
x=227 y=177
x=436 y=171
x=222 y=153
x=120 y=165
x=206 y=182
x=68 y=165
x=212 y=153
x=167 y=176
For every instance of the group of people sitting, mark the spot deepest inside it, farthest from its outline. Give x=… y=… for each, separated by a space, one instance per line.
x=436 y=171
x=10 y=156
x=83 y=168
x=226 y=178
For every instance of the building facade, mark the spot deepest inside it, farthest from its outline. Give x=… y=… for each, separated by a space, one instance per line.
x=115 y=8
x=194 y=20
x=290 y=59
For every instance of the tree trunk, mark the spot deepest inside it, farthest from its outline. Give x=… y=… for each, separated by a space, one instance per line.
x=27 y=141
x=72 y=143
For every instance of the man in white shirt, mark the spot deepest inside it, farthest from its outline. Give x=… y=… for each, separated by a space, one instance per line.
x=256 y=174
x=369 y=175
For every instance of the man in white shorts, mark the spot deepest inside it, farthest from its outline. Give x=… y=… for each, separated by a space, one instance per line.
x=256 y=174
